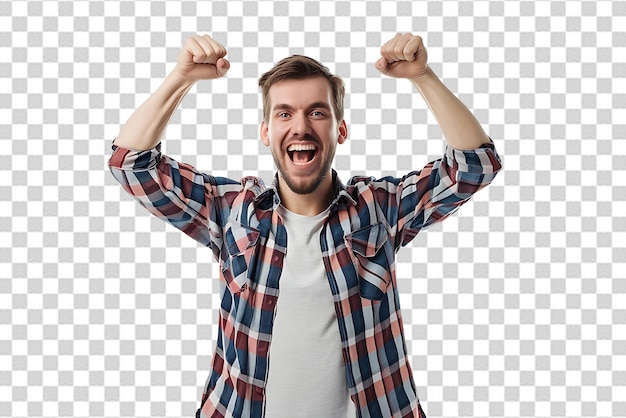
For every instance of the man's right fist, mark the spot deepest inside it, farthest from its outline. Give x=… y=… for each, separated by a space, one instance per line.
x=202 y=58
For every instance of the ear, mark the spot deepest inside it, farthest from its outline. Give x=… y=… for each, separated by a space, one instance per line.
x=264 y=134
x=343 y=132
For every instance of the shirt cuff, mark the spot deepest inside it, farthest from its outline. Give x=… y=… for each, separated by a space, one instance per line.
x=134 y=160
x=483 y=160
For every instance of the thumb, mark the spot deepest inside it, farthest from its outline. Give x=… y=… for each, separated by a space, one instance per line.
x=223 y=65
x=381 y=65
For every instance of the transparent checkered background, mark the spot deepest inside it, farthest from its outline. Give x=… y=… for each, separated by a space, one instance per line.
x=515 y=307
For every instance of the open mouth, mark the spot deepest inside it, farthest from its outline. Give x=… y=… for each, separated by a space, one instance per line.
x=301 y=154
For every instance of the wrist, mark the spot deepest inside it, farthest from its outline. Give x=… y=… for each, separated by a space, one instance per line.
x=425 y=76
x=179 y=80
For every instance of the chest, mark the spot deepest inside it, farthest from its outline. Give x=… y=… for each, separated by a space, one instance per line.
x=356 y=257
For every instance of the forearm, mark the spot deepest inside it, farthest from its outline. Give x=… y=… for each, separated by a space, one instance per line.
x=459 y=126
x=146 y=125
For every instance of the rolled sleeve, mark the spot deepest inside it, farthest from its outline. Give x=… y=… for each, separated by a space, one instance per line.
x=173 y=191
x=426 y=197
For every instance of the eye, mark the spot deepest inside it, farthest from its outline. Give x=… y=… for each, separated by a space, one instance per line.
x=283 y=115
x=318 y=114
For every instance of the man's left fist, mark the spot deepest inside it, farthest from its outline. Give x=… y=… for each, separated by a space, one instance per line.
x=404 y=56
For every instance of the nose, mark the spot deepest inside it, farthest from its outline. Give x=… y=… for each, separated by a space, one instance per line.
x=301 y=126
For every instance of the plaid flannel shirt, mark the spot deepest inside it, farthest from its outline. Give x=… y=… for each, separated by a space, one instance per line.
x=368 y=222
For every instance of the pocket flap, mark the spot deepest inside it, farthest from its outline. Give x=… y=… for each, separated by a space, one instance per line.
x=239 y=238
x=367 y=241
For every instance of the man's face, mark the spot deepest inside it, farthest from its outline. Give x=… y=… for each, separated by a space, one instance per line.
x=302 y=132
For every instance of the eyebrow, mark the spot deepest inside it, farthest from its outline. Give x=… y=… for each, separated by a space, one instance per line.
x=285 y=106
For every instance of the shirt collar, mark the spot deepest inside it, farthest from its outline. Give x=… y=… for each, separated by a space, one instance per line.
x=339 y=192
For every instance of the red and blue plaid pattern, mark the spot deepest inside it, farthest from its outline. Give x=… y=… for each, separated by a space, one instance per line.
x=369 y=220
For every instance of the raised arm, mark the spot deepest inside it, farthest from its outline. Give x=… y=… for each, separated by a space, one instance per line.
x=404 y=56
x=201 y=58
x=424 y=197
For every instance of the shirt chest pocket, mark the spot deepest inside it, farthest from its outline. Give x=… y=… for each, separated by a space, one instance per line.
x=240 y=242
x=373 y=257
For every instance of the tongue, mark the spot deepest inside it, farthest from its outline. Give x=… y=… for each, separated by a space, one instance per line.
x=303 y=156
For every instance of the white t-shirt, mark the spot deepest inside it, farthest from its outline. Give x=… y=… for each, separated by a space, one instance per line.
x=306 y=376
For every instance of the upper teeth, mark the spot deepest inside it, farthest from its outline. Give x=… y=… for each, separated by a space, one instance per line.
x=301 y=147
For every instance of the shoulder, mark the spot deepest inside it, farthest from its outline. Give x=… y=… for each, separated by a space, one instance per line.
x=389 y=183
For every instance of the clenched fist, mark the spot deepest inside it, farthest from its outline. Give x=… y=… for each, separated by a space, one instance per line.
x=202 y=58
x=404 y=56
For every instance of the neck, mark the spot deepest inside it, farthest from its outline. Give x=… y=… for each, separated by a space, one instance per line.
x=310 y=204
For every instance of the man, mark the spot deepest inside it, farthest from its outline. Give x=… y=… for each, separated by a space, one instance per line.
x=307 y=264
